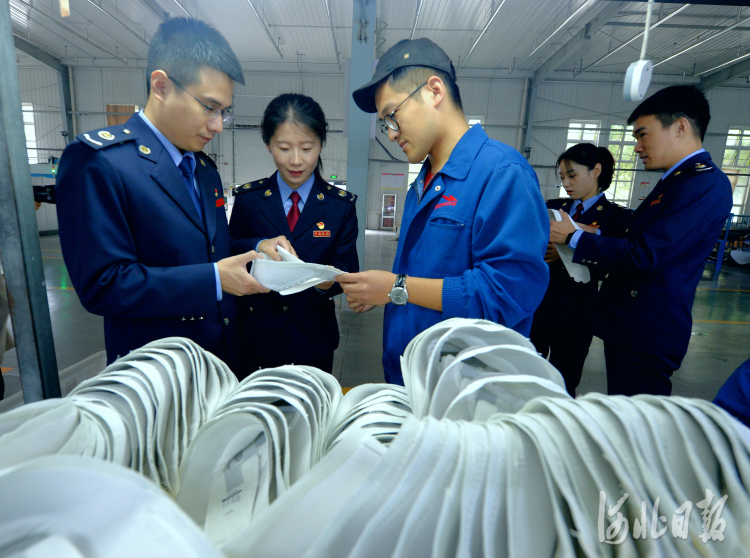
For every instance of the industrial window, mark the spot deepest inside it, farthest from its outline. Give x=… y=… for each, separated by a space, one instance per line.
x=736 y=165
x=622 y=146
x=125 y=110
x=583 y=131
x=30 y=131
x=475 y=120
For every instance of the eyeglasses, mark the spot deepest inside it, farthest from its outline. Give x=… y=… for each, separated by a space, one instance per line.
x=389 y=120
x=211 y=112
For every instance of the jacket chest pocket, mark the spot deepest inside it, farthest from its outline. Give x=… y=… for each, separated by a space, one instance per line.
x=447 y=223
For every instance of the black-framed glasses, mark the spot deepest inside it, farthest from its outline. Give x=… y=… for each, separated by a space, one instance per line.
x=211 y=112
x=389 y=120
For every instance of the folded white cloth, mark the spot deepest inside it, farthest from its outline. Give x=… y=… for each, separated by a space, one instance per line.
x=73 y=507
x=290 y=275
x=578 y=272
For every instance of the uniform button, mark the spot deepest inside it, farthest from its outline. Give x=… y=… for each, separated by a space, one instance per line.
x=251 y=309
x=437 y=188
x=626 y=230
x=285 y=308
x=200 y=318
x=183 y=319
x=192 y=319
x=606 y=276
x=226 y=321
x=594 y=263
x=634 y=293
x=212 y=250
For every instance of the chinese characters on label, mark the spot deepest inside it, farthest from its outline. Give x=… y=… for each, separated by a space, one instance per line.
x=614 y=527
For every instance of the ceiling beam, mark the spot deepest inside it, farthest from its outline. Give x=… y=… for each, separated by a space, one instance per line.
x=118 y=22
x=707 y=2
x=578 y=43
x=462 y=63
x=265 y=28
x=333 y=33
x=154 y=6
x=722 y=76
x=679 y=26
x=42 y=55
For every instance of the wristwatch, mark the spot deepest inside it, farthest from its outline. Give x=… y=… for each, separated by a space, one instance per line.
x=398 y=294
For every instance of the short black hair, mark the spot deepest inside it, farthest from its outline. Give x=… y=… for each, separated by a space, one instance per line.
x=589 y=155
x=297 y=109
x=408 y=78
x=182 y=46
x=673 y=103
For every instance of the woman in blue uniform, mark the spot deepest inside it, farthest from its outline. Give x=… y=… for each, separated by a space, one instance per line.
x=320 y=221
x=562 y=325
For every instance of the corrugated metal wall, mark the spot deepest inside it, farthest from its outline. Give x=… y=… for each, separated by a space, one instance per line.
x=242 y=156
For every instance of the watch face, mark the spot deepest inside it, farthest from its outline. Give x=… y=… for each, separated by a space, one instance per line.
x=399 y=296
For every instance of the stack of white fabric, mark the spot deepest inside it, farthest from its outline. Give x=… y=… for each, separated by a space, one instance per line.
x=263 y=438
x=74 y=507
x=525 y=471
x=141 y=412
x=378 y=409
x=469 y=369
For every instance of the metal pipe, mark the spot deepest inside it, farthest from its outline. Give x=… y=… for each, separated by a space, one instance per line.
x=265 y=28
x=118 y=22
x=644 y=46
x=180 y=6
x=497 y=10
x=720 y=66
x=638 y=36
x=19 y=238
x=712 y=37
x=333 y=33
x=416 y=19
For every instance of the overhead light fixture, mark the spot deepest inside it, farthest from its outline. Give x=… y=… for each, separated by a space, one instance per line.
x=638 y=76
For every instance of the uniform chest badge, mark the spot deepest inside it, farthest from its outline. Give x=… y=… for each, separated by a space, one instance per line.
x=104 y=134
x=320 y=225
x=216 y=192
x=658 y=200
x=319 y=234
x=125 y=131
x=143 y=149
x=320 y=197
x=268 y=193
x=595 y=224
x=342 y=193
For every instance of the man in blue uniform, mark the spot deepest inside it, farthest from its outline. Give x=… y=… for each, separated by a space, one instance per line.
x=643 y=309
x=474 y=229
x=143 y=229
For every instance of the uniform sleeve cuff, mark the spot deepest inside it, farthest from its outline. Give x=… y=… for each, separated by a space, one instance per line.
x=219 y=294
x=574 y=240
x=453 y=299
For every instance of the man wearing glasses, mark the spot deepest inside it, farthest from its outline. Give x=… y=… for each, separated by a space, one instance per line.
x=474 y=227
x=142 y=225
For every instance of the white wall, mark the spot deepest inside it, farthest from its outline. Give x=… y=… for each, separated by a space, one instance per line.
x=242 y=157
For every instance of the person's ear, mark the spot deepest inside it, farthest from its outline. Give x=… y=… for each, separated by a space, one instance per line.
x=159 y=85
x=597 y=170
x=436 y=89
x=682 y=127
x=268 y=146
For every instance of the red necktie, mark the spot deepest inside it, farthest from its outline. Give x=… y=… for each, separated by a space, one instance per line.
x=577 y=214
x=293 y=214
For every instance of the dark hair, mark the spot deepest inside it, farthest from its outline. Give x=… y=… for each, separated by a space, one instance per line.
x=181 y=47
x=673 y=103
x=297 y=109
x=407 y=78
x=589 y=155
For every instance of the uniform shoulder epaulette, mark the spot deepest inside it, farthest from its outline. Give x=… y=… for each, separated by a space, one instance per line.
x=340 y=194
x=251 y=186
x=702 y=167
x=106 y=137
x=205 y=159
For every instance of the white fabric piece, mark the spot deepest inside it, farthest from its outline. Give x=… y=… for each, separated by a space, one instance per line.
x=290 y=275
x=580 y=273
x=70 y=507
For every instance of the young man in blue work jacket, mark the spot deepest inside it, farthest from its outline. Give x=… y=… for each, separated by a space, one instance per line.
x=643 y=309
x=474 y=228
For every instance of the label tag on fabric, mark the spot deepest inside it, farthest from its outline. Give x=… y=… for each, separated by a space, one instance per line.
x=321 y=233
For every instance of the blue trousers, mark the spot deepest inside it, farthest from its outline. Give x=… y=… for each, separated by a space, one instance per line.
x=631 y=372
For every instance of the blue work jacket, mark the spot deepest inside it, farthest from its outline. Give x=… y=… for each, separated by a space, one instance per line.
x=483 y=228
x=651 y=272
x=137 y=251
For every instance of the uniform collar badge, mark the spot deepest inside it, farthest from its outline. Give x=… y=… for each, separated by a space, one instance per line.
x=599 y=207
x=268 y=193
x=143 y=149
x=104 y=134
x=202 y=162
x=125 y=131
x=260 y=182
x=320 y=197
x=342 y=193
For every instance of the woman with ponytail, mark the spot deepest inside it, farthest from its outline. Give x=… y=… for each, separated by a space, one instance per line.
x=320 y=221
x=562 y=324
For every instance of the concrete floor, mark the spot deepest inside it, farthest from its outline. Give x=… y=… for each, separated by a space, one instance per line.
x=720 y=342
